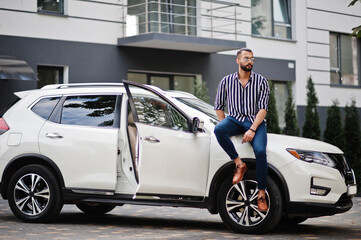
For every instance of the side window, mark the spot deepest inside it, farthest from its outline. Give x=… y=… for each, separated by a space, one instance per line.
x=51 y=6
x=271 y=18
x=344 y=58
x=153 y=110
x=45 y=106
x=93 y=110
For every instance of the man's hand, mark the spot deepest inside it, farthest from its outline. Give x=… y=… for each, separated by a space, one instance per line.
x=248 y=136
x=220 y=114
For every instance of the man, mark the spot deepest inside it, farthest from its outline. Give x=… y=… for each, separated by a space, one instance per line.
x=246 y=95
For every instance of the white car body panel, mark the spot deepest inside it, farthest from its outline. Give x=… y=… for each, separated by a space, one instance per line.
x=277 y=142
x=300 y=190
x=86 y=156
x=25 y=131
x=291 y=168
x=171 y=166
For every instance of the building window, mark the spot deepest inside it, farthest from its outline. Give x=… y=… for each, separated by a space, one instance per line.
x=271 y=18
x=51 y=6
x=165 y=81
x=164 y=16
x=281 y=96
x=344 y=66
x=50 y=75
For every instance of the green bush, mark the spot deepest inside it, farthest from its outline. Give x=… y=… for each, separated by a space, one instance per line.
x=352 y=147
x=291 y=127
x=333 y=133
x=272 y=116
x=201 y=91
x=311 y=127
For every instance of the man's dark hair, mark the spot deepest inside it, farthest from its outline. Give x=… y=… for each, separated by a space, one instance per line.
x=243 y=50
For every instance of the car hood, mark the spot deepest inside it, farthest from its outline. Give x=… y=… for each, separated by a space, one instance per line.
x=280 y=142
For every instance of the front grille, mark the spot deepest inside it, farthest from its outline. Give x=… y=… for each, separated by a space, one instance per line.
x=343 y=166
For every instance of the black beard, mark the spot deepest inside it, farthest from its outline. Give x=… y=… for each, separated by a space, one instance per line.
x=244 y=67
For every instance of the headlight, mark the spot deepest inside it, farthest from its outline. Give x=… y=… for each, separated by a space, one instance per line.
x=313 y=157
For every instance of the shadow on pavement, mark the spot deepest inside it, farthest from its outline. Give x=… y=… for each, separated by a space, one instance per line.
x=136 y=222
x=80 y=219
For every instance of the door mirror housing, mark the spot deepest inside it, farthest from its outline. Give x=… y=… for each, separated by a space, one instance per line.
x=197 y=125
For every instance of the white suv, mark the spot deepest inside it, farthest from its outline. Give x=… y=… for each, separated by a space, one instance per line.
x=103 y=145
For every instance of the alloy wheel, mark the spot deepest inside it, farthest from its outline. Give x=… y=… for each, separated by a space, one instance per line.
x=31 y=194
x=241 y=204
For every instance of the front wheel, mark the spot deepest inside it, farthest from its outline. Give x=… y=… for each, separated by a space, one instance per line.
x=34 y=194
x=237 y=205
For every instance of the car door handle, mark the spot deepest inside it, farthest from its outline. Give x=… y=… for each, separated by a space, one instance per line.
x=53 y=135
x=151 y=139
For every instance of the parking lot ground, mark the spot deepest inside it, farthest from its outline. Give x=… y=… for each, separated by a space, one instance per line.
x=148 y=222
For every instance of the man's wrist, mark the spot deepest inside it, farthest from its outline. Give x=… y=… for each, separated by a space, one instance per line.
x=252 y=130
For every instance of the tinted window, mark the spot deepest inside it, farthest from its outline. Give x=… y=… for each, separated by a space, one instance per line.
x=153 y=110
x=45 y=106
x=200 y=105
x=89 y=110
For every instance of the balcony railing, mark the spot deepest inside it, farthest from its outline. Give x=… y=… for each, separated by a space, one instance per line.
x=212 y=19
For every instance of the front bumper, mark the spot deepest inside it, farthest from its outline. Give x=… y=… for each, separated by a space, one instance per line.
x=308 y=209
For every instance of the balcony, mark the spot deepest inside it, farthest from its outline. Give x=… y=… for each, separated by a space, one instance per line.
x=187 y=25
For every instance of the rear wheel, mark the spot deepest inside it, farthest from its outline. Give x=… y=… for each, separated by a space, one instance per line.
x=34 y=194
x=95 y=208
x=237 y=205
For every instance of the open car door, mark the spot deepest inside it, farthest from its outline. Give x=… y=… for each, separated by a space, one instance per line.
x=169 y=157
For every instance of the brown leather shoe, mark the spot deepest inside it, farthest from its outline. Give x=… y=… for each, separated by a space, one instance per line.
x=262 y=204
x=239 y=172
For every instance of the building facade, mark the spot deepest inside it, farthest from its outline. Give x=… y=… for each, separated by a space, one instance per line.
x=176 y=44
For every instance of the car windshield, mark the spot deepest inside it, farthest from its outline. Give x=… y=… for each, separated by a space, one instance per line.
x=200 y=105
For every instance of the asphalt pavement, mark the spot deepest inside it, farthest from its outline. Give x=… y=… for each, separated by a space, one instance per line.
x=148 y=222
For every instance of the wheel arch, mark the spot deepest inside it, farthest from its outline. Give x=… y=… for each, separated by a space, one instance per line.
x=227 y=169
x=28 y=159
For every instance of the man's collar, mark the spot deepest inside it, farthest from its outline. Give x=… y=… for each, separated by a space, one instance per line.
x=251 y=76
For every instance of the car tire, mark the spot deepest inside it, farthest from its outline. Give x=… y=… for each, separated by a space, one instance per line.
x=95 y=208
x=34 y=194
x=286 y=220
x=237 y=205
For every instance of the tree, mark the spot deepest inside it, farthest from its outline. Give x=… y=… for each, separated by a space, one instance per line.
x=311 y=126
x=291 y=127
x=334 y=133
x=272 y=116
x=201 y=91
x=352 y=147
x=356 y=31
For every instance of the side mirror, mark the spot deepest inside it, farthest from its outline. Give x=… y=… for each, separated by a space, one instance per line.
x=196 y=124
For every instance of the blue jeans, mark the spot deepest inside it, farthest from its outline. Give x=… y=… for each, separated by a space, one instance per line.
x=231 y=127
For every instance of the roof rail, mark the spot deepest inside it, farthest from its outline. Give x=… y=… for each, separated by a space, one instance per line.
x=71 y=85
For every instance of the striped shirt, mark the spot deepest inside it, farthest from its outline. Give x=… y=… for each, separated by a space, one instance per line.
x=242 y=102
